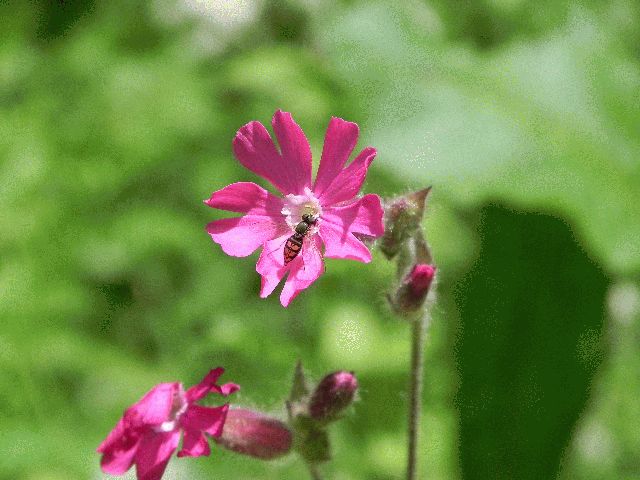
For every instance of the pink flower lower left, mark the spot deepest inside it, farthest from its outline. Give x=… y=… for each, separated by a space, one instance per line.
x=149 y=431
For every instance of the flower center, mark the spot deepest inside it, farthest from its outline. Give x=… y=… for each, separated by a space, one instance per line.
x=295 y=206
x=178 y=407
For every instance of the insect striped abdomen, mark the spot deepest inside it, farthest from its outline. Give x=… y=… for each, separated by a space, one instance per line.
x=292 y=248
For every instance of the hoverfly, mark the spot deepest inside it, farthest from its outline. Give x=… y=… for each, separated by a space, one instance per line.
x=293 y=245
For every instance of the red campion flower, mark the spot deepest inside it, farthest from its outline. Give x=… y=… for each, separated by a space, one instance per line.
x=335 y=215
x=150 y=430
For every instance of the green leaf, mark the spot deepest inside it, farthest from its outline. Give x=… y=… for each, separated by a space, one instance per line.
x=531 y=319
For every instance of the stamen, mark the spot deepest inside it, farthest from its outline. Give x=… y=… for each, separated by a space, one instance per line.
x=295 y=206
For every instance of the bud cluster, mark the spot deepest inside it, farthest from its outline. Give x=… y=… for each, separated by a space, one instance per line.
x=261 y=436
x=311 y=412
x=402 y=218
x=405 y=241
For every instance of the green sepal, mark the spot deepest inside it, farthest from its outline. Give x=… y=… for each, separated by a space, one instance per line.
x=296 y=403
x=312 y=441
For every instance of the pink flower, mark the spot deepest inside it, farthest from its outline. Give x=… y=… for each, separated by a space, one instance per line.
x=336 y=216
x=149 y=431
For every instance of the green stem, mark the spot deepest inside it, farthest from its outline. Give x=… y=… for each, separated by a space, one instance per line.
x=415 y=393
x=314 y=471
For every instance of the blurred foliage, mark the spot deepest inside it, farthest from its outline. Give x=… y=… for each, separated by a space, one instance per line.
x=117 y=120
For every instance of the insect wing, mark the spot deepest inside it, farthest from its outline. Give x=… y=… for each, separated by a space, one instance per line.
x=279 y=248
x=314 y=246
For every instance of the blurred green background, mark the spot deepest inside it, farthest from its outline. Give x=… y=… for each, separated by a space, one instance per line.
x=116 y=122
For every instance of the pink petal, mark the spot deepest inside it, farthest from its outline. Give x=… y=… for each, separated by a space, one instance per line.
x=119 y=449
x=304 y=273
x=194 y=444
x=303 y=270
x=254 y=149
x=343 y=244
x=209 y=384
x=114 y=437
x=246 y=197
x=154 y=452
x=271 y=264
x=206 y=419
x=241 y=236
x=228 y=389
x=295 y=151
x=349 y=181
x=339 y=142
x=154 y=407
x=201 y=390
x=363 y=216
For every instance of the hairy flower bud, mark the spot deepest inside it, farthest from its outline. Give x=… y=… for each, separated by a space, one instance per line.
x=402 y=217
x=333 y=394
x=255 y=434
x=420 y=278
x=413 y=290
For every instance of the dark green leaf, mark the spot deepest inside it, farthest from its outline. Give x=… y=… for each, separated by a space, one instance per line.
x=529 y=343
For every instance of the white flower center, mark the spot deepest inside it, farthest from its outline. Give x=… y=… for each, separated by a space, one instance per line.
x=297 y=205
x=178 y=407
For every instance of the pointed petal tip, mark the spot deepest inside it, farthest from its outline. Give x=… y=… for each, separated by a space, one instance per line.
x=216 y=371
x=279 y=115
x=287 y=298
x=265 y=288
x=345 y=122
x=247 y=126
x=228 y=389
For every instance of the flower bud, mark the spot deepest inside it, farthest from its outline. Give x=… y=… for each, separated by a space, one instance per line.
x=402 y=217
x=420 y=278
x=255 y=434
x=333 y=394
x=414 y=289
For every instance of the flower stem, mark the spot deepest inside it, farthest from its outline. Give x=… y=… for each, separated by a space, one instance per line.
x=314 y=471
x=415 y=393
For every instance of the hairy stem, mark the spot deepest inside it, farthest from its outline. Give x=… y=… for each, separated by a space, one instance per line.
x=415 y=393
x=315 y=472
